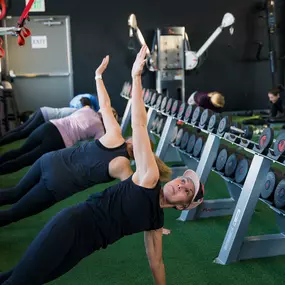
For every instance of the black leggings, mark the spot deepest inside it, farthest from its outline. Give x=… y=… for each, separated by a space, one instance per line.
x=24 y=130
x=68 y=238
x=30 y=197
x=44 y=139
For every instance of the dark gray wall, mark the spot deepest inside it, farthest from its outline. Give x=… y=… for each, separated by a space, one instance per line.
x=100 y=28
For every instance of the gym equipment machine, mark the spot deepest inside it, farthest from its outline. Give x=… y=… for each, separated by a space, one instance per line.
x=171 y=54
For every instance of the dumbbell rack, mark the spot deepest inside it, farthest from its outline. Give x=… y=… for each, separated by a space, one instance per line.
x=236 y=246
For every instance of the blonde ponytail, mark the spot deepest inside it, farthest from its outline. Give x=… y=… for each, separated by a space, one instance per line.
x=165 y=172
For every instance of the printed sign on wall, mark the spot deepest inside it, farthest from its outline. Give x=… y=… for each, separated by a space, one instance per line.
x=38 y=6
x=39 y=42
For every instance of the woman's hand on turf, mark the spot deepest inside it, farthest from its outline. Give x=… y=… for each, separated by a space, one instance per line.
x=166 y=232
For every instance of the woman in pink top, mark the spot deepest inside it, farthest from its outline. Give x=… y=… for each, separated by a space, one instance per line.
x=53 y=135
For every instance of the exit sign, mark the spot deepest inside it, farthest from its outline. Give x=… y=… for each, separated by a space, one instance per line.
x=38 y=6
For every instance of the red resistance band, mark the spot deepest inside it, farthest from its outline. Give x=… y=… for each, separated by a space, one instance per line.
x=24 y=32
x=3 y=9
x=2 y=15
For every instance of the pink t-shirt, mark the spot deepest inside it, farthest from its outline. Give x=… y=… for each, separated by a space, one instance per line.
x=81 y=125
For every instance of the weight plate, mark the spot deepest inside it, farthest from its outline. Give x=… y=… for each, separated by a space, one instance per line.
x=174 y=135
x=158 y=101
x=149 y=97
x=222 y=159
x=163 y=104
x=231 y=165
x=279 y=195
x=268 y=189
x=224 y=125
x=214 y=122
x=188 y=113
x=279 y=145
x=146 y=96
x=191 y=143
x=248 y=132
x=198 y=147
x=153 y=98
x=266 y=139
x=154 y=124
x=184 y=140
x=168 y=105
x=196 y=115
x=205 y=117
x=174 y=108
x=241 y=170
x=179 y=137
x=181 y=111
x=160 y=126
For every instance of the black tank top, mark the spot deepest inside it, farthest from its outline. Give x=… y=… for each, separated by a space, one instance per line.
x=70 y=170
x=126 y=208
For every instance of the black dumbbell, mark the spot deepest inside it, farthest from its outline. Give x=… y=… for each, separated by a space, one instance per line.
x=205 y=118
x=221 y=160
x=175 y=108
x=191 y=143
x=278 y=152
x=179 y=137
x=181 y=111
x=196 y=115
x=273 y=178
x=149 y=97
x=153 y=98
x=154 y=124
x=146 y=96
x=174 y=134
x=279 y=195
x=184 y=141
x=188 y=113
x=158 y=101
x=163 y=104
x=265 y=141
x=198 y=147
x=231 y=165
x=242 y=170
x=126 y=91
x=168 y=106
x=214 y=123
x=160 y=126
x=225 y=126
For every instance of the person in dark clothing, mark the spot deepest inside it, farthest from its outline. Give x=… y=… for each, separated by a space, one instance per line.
x=39 y=117
x=214 y=101
x=57 y=134
x=59 y=174
x=277 y=109
x=134 y=205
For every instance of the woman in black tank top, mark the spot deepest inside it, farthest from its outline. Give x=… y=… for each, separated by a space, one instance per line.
x=133 y=205
x=60 y=174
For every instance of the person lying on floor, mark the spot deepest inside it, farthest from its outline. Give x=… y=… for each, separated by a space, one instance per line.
x=214 y=101
x=57 y=134
x=45 y=114
x=133 y=205
x=277 y=108
x=38 y=118
x=59 y=174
